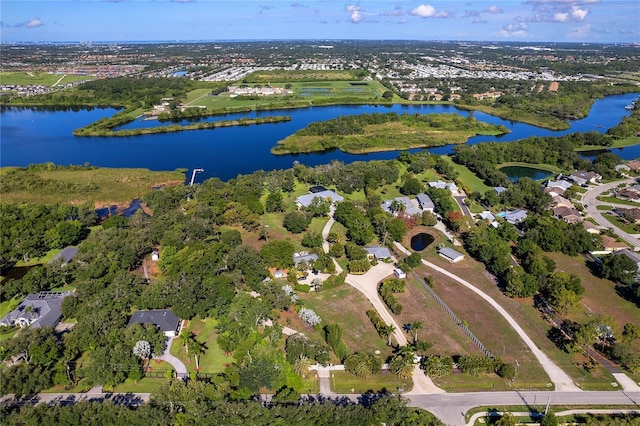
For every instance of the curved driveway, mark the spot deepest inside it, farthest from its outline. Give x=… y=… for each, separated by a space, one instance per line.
x=559 y=378
x=181 y=370
x=589 y=199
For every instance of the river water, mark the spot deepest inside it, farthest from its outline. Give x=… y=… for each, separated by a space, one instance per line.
x=36 y=136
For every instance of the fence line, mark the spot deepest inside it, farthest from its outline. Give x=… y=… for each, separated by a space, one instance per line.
x=453 y=315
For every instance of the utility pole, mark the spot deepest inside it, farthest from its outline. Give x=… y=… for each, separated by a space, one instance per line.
x=193 y=175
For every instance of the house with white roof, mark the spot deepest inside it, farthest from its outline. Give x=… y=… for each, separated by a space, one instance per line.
x=444 y=185
x=426 y=204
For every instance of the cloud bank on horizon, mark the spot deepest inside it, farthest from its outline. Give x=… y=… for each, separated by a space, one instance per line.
x=596 y=21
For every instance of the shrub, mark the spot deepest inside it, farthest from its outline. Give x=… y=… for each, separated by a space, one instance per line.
x=309 y=316
x=303 y=288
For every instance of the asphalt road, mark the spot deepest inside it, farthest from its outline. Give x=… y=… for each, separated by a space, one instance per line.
x=590 y=202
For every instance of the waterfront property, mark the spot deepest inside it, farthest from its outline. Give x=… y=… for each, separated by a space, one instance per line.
x=307 y=199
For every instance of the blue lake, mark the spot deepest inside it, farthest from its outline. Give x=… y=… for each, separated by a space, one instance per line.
x=37 y=136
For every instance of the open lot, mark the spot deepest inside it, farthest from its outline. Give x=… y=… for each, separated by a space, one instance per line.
x=45 y=79
x=497 y=335
x=213 y=360
x=99 y=186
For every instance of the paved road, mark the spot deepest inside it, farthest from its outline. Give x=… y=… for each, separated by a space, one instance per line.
x=589 y=200
x=559 y=378
x=450 y=408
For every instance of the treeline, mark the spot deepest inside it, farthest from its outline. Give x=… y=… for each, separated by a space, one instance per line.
x=31 y=230
x=104 y=126
x=199 y=403
x=556 y=151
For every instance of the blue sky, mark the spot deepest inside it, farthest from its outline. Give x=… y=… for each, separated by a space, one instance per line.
x=599 y=21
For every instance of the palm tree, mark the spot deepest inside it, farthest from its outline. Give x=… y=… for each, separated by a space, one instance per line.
x=414 y=330
x=197 y=348
x=302 y=366
x=386 y=332
x=184 y=339
x=402 y=363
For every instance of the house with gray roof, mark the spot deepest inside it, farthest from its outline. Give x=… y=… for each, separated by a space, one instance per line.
x=426 y=204
x=410 y=208
x=37 y=310
x=450 y=254
x=380 y=253
x=515 y=216
x=307 y=199
x=66 y=255
x=304 y=257
x=164 y=319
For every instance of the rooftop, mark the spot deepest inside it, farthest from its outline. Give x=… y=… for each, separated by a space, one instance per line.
x=163 y=318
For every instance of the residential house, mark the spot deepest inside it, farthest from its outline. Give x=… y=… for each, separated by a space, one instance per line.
x=634 y=165
x=450 y=254
x=582 y=177
x=379 y=253
x=410 y=208
x=304 y=256
x=590 y=227
x=444 y=185
x=499 y=189
x=487 y=215
x=567 y=214
x=632 y=214
x=164 y=319
x=426 y=204
x=307 y=199
x=628 y=194
x=611 y=244
x=515 y=216
x=67 y=254
x=37 y=310
x=560 y=201
x=557 y=186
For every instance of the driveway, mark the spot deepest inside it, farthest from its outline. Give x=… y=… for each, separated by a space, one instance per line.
x=368 y=285
x=590 y=202
x=181 y=370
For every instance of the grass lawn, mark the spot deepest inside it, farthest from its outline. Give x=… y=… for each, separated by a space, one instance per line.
x=101 y=186
x=617 y=143
x=467 y=177
x=41 y=78
x=617 y=201
x=496 y=334
x=462 y=382
x=343 y=382
x=346 y=306
x=146 y=385
x=213 y=360
x=438 y=328
x=48 y=257
x=622 y=224
x=7 y=333
x=9 y=305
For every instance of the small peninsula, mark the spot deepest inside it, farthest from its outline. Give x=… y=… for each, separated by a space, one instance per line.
x=357 y=134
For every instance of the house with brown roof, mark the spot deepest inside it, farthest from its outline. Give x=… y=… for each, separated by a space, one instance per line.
x=569 y=215
x=611 y=244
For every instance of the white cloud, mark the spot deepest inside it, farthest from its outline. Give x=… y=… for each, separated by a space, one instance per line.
x=515 y=30
x=580 y=32
x=578 y=14
x=352 y=8
x=35 y=23
x=428 y=11
x=356 y=16
x=561 y=17
x=495 y=9
x=424 y=11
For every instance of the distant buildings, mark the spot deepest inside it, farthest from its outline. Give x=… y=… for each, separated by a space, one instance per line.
x=421 y=203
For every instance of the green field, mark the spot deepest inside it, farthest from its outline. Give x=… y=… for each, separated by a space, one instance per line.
x=467 y=178
x=384 y=132
x=45 y=79
x=77 y=185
